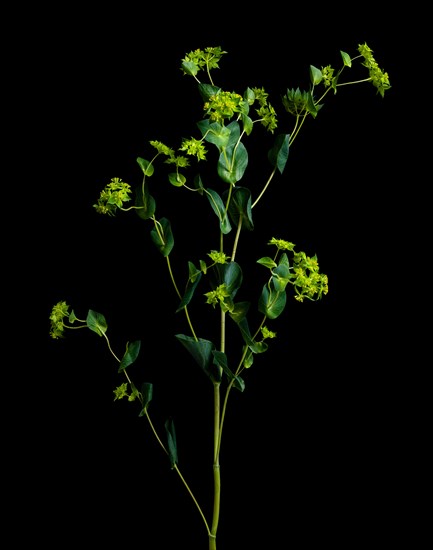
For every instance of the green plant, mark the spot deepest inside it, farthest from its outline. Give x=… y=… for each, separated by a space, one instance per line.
x=215 y=278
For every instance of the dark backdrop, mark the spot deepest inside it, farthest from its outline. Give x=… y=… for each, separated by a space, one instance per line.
x=309 y=452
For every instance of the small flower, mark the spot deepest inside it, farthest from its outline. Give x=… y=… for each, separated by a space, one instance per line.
x=58 y=313
x=281 y=244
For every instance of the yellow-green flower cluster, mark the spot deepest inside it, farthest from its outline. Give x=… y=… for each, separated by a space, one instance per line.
x=58 y=313
x=122 y=391
x=223 y=105
x=194 y=147
x=267 y=114
x=308 y=282
x=379 y=78
x=327 y=75
x=281 y=244
x=113 y=196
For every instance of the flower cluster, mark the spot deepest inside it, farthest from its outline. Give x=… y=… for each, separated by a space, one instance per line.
x=58 y=314
x=379 y=78
x=267 y=114
x=223 y=105
x=113 y=196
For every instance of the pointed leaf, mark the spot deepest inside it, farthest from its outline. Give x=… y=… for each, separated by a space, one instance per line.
x=96 y=322
x=240 y=207
x=315 y=75
x=146 y=166
x=201 y=350
x=346 y=59
x=255 y=347
x=220 y=359
x=217 y=134
x=219 y=209
x=208 y=90
x=176 y=179
x=163 y=237
x=267 y=262
x=189 y=292
x=230 y=274
x=131 y=354
x=280 y=277
x=145 y=202
x=147 y=394
x=232 y=163
x=279 y=153
x=272 y=302
x=171 y=442
x=239 y=311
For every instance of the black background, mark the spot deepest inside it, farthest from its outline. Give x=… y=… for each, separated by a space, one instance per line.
x=311 y=449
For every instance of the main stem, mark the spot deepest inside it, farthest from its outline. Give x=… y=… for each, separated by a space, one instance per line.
x=217 y=443
x=216 y=469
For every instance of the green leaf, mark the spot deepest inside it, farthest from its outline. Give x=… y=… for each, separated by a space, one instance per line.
x=232 y=163
x=176 y=179
x=272 y=302
x=131 y=354
x=247 y=124
x=208 y=90
x=96 y=322
x=220 y=359
x=315 y=75
x=230 y=274
x=216 y=133
x=255 y=347
x=346 y=59
x=279 y=153
x=201 y=350
x=190 y=288
x=239 y=311
x=219 y=209
x=280 y=277
x=147 y=394
x=240 y=207
x=145 y=202
x=146 y=166
x=163 y=237
x=190 y=67
x=171 y=442
x=267 y=262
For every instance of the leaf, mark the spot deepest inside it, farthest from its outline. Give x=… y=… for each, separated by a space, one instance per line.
x=255 y=347
x=219 y=209
x=146 y=166
x=346 y=59
x=239 y=311
x=131 y=354
x=190 y=67
x=163 y=237
x=232 y=163
x=230 y=274
x=272 y=302
x=240 y=207
x=201 y=350
x=176 y=179
x=279 y=153
x=207 y=90
x=171 y=442
x=217 y=134
x=190 y=288
x=96 y=322
x=280 y=277
x=220 y=359
x=315 y=75
x=147 y=394
x=145 y=202
x=267 y=262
